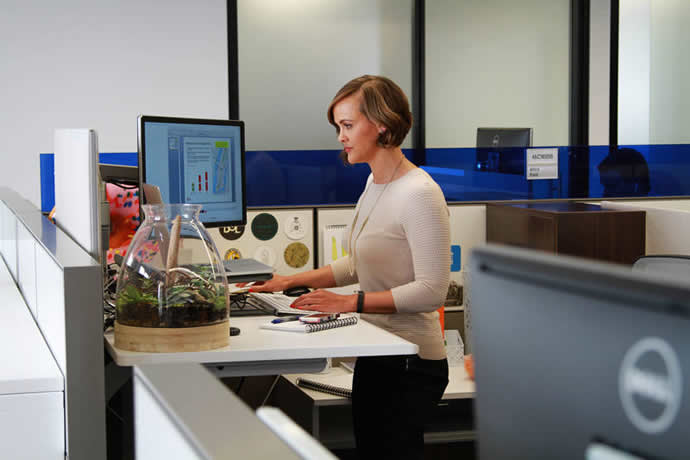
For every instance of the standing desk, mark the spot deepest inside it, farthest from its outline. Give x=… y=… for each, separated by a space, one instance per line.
x=268 y=352
x=265 y=352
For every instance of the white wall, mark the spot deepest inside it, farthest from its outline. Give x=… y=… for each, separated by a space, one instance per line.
x=654 y=72
x=634 y=71
x=97 y=64
x=670 y=72
x=295 y=55
x=496 y=63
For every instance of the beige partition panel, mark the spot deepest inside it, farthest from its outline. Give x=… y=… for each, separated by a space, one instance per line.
x=467 y=230
x=667 y=224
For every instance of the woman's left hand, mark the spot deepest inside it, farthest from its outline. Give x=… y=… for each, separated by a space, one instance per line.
x=322 y=300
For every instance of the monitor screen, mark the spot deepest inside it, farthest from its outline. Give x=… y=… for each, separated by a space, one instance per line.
x=577 y=358
x=502 y=150
x=196 y=161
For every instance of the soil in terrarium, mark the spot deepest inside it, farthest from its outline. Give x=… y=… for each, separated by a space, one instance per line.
x=190 y=303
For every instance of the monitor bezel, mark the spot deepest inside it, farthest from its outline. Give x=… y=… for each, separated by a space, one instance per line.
x=141 y=142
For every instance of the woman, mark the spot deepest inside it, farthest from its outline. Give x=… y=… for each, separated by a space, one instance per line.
x=399 y=253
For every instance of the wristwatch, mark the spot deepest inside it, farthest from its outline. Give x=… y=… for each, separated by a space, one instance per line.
x=360 y=301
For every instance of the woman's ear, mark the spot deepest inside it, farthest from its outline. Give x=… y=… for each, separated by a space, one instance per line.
x=383 y=138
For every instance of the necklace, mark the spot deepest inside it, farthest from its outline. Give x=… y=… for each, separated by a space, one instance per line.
x=351 y=265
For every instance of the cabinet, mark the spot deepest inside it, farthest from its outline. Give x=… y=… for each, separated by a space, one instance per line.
x=576 y=229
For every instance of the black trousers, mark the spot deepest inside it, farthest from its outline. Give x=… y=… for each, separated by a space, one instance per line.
x=392 y=400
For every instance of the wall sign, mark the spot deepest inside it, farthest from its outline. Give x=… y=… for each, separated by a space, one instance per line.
x=541 y=164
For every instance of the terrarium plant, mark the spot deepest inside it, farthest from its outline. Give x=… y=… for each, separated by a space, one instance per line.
x=172 y=296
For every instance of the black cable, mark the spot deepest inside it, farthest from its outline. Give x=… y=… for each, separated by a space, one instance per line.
x=239 y=385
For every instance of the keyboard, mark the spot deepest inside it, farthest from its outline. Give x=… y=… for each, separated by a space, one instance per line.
x=279 y=303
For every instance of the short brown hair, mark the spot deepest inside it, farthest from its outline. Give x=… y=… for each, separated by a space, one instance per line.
x=382 y=102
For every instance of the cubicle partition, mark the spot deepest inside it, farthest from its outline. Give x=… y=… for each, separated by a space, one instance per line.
x=183 y=411
x=61 y=286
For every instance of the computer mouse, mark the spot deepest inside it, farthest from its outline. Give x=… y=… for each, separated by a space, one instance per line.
x=296 y=291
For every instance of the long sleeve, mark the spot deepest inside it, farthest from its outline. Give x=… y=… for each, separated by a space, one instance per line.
x=341 y=272
x=425 y=222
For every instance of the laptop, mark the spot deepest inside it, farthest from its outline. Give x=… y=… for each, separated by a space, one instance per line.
x=244 y=270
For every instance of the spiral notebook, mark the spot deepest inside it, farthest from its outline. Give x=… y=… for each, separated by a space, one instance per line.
x=298 y=326
x=338 y=385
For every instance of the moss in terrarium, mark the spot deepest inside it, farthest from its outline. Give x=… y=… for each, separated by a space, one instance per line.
x=192 y=301
x=132 y=295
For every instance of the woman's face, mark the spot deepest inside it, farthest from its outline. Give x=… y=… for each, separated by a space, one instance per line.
x=357 y=133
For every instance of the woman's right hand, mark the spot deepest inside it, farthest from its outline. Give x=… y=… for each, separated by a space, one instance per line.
x=275 y=284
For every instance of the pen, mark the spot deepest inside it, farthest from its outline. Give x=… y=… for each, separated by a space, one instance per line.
x=285 y=319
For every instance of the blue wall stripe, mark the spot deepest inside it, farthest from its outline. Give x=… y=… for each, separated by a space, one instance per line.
x=318 y=177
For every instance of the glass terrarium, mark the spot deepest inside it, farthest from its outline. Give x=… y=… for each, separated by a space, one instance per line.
x=172 y=276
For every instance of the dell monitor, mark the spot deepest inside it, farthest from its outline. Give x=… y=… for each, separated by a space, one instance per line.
x=578 y=359
x=502 y=150
x=504 y=137
x=196 y=161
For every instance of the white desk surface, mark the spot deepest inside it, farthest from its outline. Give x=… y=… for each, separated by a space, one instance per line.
x=27 y=365
x=260 y=345
x=460 y=386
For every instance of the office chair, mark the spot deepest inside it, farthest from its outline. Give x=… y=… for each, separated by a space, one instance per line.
x=664 y=264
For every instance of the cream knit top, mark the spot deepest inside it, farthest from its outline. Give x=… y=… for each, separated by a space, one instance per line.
x=404 y=248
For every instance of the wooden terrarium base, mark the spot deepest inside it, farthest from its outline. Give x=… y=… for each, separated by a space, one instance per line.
x=169 y=340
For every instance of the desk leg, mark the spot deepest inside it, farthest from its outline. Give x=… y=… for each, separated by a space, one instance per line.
x=119 y=413
x=270 y=390
x=315 y=421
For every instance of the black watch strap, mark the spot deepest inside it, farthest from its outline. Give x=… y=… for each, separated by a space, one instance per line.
x=360 y=301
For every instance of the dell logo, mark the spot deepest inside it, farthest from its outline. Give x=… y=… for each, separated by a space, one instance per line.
x=496 y=140
x=650 y=384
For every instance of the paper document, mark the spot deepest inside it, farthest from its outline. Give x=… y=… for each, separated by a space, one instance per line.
x=333 y=248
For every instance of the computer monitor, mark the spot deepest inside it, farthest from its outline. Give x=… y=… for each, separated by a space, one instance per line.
x=504 y=137
x=502 y=149
x=576 y=358
x=196 y=161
